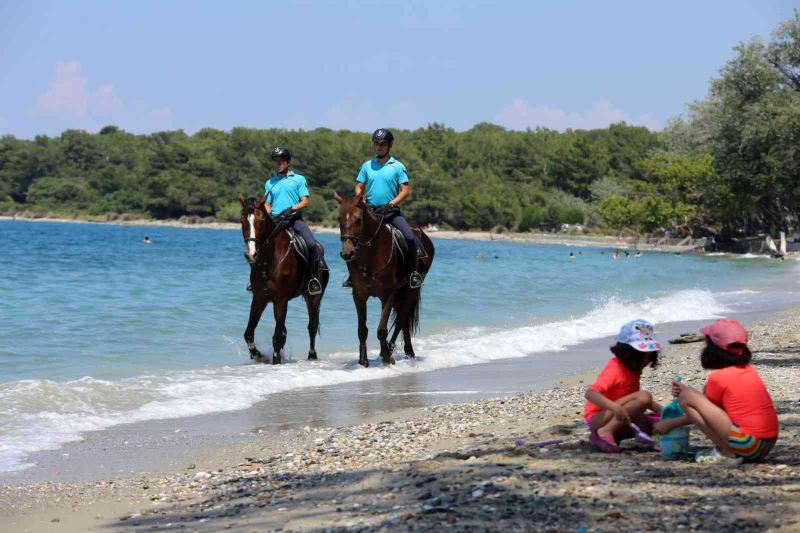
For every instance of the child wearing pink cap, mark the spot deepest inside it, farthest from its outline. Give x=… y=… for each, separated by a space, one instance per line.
x=735 y=410
x=615 y=405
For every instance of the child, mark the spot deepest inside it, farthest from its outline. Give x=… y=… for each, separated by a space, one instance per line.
x=614 y=401
x=735 y=410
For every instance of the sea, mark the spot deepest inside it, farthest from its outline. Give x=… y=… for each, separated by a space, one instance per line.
x=99 y=329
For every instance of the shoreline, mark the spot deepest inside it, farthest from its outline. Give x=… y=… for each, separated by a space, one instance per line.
x=596 y=241
x=454 y=465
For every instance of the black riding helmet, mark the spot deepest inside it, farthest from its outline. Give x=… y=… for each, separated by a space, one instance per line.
x=280 y=151
x=381 y=135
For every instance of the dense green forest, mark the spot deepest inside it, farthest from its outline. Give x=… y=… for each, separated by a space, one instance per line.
x=730 y=166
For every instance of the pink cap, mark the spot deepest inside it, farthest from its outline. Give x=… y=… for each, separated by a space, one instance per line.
x=728 y=334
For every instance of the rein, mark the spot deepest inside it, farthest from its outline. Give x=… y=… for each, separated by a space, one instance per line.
x=357 y=241
x=265 y=241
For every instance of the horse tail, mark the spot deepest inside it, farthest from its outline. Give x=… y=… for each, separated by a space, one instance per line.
x=413 y=314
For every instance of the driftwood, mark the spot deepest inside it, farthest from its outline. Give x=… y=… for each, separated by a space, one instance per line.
x=686 y=338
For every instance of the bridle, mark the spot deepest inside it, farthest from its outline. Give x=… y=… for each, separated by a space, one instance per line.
x=263 y=223
x=357 y=239
x=265 y=240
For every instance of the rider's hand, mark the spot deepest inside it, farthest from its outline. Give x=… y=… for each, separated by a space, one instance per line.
x=286 y=213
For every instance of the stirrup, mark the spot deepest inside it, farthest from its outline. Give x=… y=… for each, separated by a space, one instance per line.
x=415 y=280
x=348 y=283
x=314 y=287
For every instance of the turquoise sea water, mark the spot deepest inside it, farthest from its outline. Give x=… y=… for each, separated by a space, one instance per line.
x=98 y=328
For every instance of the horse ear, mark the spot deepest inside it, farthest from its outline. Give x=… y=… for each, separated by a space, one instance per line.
x=337 y=197
x=241 y=199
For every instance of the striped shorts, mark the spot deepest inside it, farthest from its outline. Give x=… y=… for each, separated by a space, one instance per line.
x=750 y=448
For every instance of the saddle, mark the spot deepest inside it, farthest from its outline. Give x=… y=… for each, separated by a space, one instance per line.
x=400 y=244
x=299 y=244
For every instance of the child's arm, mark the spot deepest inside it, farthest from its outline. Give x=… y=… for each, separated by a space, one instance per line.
x=665 y=426
x=656 y=407
x=597 y=398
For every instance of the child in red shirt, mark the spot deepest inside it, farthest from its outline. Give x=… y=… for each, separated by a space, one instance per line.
x=735 y=410
x=615 y=405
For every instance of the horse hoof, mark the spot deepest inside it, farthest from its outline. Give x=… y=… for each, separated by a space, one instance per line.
x=255 y=355
x=389 y=360
x=312 y=356
x=276 y=360
x=364 y=363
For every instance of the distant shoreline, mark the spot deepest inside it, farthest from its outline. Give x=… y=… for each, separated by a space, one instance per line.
x=597 y=241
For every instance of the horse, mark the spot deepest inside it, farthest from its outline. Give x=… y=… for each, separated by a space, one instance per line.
x=277 y=275
x=376 y=269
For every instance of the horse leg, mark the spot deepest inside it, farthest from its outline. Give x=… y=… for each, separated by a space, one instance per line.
x=313 y=304
x=361 y=310
x=257 y=306
x=403 y=325
x=407 y=348
x=279 y=336
x=383 y=331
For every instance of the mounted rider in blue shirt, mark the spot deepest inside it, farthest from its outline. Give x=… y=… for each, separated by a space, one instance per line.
x=286 y=196
x=386 y=183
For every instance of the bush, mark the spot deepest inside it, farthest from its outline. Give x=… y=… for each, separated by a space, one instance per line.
x=532 y=218
x=231 y=212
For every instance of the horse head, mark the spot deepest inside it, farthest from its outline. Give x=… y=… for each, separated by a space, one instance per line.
x=353 y=222
x=255 y=221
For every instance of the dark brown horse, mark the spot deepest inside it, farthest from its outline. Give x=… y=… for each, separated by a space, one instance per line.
x=376 y=269
x=277 y=275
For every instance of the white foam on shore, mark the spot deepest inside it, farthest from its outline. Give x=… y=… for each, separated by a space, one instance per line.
x=43 y=414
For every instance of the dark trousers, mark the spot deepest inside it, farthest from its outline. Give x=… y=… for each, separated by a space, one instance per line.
x=299 y=226
x=398 y=221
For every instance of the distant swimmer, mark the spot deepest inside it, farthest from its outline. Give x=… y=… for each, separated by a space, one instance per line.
x=615 y=256
x=571 y=255
x=147 y=240
x=638 y=254
x=626 y=253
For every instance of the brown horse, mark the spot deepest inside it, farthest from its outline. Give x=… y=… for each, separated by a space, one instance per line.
x=376 y=269
x=277 y=275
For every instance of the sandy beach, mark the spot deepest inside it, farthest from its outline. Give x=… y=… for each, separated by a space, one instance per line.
x=465 y=466
x=569 y=239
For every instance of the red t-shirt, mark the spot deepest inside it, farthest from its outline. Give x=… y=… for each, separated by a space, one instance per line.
x=739 y=391
x=614 y=382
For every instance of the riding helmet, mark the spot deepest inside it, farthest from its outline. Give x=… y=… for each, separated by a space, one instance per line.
x=381 y=135
x=280 y=151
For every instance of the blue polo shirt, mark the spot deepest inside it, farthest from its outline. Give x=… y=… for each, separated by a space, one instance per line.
x=285 y=191
x=382 y=181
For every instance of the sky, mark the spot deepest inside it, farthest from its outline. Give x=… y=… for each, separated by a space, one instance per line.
x=159 y=65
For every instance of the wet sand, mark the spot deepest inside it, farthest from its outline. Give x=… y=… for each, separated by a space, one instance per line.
x=428 y=465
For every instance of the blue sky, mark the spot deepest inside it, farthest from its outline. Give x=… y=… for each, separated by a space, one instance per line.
x=149 y=66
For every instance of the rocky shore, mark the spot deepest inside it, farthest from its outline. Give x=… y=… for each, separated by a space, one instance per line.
x=521 y=463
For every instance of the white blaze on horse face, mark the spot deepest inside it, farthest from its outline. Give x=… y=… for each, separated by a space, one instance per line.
x=251 y=245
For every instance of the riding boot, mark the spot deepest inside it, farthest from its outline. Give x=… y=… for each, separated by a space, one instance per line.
x=414 y=278
x=314 y=285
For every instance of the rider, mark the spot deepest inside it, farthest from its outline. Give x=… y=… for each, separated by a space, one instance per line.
x=286 y=195
x=386 y=184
